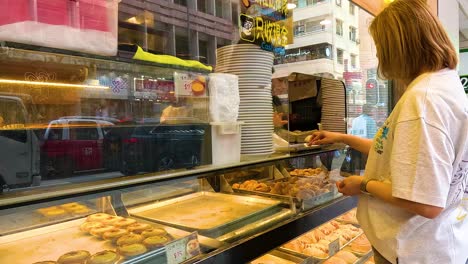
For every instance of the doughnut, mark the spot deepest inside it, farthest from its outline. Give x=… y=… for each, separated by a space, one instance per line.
x=122 y=223
x=99 y=231
x=138 y=227
x=86 y=226
x=114 y=234
x=131 y=250
x=104 y=257
x=79 y=256
x=98 y=217
x=129 y=239
x=46 y=262
x=154 y=232
x=155 y=241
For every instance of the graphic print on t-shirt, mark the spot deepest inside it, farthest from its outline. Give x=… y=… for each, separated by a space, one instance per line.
x=460 y=181
x=380 y=137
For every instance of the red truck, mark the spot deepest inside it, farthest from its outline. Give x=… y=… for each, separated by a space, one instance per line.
x=72 y=145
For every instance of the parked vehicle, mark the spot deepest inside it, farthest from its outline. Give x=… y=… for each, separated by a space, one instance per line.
x=158 y=147
x=19 y=151
x=72 y=145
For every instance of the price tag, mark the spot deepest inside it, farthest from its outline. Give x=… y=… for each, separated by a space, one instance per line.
x=188 y=84
x=182 y=249
x=333 y=247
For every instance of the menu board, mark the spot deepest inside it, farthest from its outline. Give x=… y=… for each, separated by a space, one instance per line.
x=156 y=89
x=267 y=23
x=190 y=84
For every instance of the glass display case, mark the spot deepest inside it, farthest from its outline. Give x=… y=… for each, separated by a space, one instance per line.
x=231 y=213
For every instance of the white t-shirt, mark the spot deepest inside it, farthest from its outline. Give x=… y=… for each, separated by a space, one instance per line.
x=422 y=149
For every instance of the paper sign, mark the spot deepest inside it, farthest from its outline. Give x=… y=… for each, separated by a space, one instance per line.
x=182 y=249
x=188 y=84
x=333 y=247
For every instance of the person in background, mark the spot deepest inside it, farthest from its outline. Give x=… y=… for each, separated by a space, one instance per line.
x=413 y=197
x=364 y=125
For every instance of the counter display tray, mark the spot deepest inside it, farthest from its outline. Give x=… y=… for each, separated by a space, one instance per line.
x=278 y=257
x=211 y=214
x=315 y=259
x=303 y=204
x=50 y=242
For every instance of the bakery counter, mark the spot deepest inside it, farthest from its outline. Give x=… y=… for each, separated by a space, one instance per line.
x=121 y=240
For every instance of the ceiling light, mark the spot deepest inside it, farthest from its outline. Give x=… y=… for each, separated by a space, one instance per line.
x=52 y=84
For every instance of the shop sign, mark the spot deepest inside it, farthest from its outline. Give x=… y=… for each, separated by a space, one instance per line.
x=182 y=249
x=464 y=81
x=155 y=89
x=267 y=23
x=190 y=84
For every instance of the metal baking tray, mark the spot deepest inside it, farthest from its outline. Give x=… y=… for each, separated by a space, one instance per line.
x=50 y=242
x=303 y=204
x=278 y=257
x=211 y=214
x=301 y=255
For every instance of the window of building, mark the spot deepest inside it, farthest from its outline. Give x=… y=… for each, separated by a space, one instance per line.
x=181 y=2
x=353 y=61
x=299 y=28
x=313 y=26
x=352 y=8
x=219 y=8
x=339 y=27
x=352 y=33
x=201 y=5
x=338 y=2
x=235 y=14
x=339 y=56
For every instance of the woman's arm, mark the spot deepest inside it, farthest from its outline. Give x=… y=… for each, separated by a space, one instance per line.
x=383 y=191
x=362 y=145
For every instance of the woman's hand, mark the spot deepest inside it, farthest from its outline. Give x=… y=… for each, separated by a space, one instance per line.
x=278 y=119
x=350 y=186
x=325 y=137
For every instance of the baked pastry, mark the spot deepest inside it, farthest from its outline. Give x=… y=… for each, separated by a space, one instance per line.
x=114 y=234
x=86 y=226
x=46 y=262
x=111 y=220
x=154 y=232
x=361 y=244
x=98 y=217
x=99 y=231
x=155 y=241
x=104 y=257
x=349 y=257
x=138 y=227
x=74 y=257
x=53 y=212
x=131 y=250
x=80 y=210
x=334 y=260
x=129 y=239
x=124 y=222
x=70 y=205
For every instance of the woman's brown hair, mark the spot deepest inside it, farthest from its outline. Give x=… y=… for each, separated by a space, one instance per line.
x=410 y=41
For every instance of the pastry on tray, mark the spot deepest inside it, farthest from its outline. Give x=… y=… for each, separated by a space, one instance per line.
x=74 y=257
x=104 y=257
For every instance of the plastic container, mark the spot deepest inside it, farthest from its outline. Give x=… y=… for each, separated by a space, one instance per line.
x=89 y=26
x=225 y=142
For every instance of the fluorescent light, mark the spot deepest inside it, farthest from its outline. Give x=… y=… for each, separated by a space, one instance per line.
x=291 y=6
x=52 y=84
x=325 y=22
